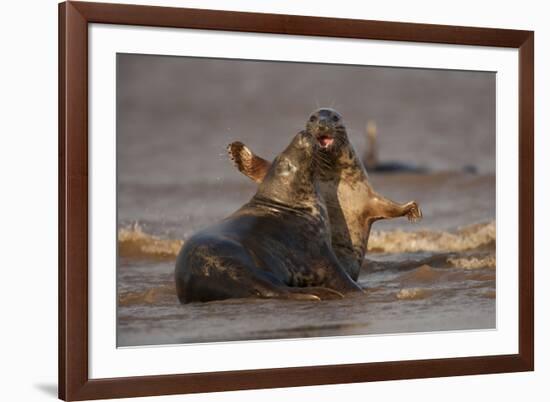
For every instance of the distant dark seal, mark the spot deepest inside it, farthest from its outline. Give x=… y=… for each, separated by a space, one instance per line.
x=352 y=204
x=373 y=163
x=276 y=246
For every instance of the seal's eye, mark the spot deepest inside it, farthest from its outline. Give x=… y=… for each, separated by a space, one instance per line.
x=335 y=117
x=312 y=118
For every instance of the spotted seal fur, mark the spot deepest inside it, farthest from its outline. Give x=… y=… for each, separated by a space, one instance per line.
x=352 y=204
x=277 y=245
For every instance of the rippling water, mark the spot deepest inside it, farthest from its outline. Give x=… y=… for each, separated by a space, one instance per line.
x=175 y=117
x=418 y=278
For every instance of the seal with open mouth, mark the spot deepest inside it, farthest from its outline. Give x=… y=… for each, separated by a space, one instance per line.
x=352 y=204
x=276 y=246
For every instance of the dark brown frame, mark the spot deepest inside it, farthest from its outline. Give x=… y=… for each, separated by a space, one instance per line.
x=74 y=17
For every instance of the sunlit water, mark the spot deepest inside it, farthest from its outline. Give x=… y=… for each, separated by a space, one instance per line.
x=431 y=276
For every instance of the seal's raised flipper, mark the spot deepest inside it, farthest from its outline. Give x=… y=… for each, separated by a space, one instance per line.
x=248 y=163
x=384 y=208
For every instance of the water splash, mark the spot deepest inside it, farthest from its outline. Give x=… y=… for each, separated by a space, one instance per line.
x=473 y=262
x=466 y=238
x=413 y=294
x=133 y=242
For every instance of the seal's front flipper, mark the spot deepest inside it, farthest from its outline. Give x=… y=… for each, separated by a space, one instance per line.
x=249 y=164
x=414 y=213
x=384 y=208
x=336 y=278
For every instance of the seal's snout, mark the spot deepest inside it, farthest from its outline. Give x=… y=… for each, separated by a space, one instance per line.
x=323 y=125
x=324 y=133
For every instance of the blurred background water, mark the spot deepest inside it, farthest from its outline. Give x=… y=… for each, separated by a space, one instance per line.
x=176 y=115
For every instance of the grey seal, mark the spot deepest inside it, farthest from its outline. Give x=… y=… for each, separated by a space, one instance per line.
x=352 y=204
x=277 y=245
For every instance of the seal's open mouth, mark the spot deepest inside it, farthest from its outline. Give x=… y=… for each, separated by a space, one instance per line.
x=325 y=141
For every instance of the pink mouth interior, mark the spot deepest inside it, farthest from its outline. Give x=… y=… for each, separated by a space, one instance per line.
x=325 y=141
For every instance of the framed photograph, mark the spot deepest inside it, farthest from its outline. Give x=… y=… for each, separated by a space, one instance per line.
x=260 y=200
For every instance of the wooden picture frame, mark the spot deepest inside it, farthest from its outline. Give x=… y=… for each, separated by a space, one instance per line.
x=74 y=381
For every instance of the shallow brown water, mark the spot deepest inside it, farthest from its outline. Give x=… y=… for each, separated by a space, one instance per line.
x=417 y=280
x=414 y=292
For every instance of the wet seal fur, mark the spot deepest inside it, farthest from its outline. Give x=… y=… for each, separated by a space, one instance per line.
x=352 y=204
x=277 y=245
